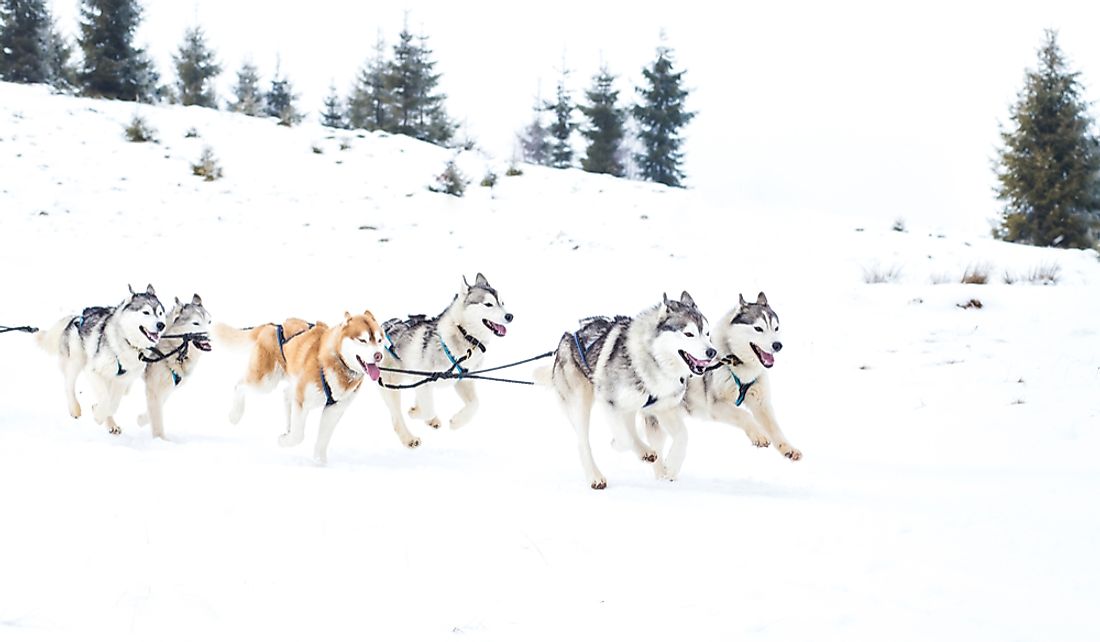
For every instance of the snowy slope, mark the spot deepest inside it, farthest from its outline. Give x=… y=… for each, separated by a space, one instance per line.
x=948 y=489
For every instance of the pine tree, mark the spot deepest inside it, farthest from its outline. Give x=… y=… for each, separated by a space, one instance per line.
x=562 y=126
x=196 y=68
x=113 y=67
x=660 y=116
x=604 y=153
x=31 y=48
x=534 y=140
x=417 y=106
x=62 y=73
x=280 y=100
x=248 y=99
x=333 y=115
x=1049 y=167
x=371 y=101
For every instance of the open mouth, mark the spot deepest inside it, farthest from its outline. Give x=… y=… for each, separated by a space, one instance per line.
x=697 y=366
x=370 y=368
x=151 y=336
x=497 y=329
x=767 y=359
x=202 y=344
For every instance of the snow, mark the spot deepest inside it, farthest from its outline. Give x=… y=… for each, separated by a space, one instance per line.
x=948 y=489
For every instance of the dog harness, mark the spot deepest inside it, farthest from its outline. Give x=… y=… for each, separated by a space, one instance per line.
x=389 y=347
x=454 y=362
x=282 y=339
x=472 y=339
x=329 y=400
x=743 y=388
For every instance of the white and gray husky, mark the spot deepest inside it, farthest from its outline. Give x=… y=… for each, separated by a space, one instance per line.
x=640 y=365
x=171 y=361
x=106 y=344
x=747 y=338
x=455 y=340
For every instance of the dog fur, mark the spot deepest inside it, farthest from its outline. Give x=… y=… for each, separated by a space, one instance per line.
x=164 y=376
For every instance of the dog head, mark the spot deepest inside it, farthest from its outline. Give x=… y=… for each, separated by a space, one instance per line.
x=191 y=318
x=750 y=332
x=360 y=343
x=141 y=318
x=683 y=334
x=482 y=307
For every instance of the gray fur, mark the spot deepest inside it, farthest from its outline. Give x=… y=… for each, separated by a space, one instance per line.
x=163 y=377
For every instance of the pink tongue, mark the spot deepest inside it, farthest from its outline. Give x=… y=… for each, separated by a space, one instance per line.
x=767 y=358
x=501 y=330
x=373 y=372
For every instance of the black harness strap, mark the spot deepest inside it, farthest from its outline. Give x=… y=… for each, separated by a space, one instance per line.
x=472 y=339
x=282 y=339
x=329 y=400
x=22 y=328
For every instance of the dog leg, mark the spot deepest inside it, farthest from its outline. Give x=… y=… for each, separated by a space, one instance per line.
x=425 y=407
x=740 y=418
x=330 y=416
x=392 y=398
x=674 y=424
x=71 y=369
x=655 y=435
x=579 y=410
x=296 y=425
x=237 y=410
x=468 y=394
x=758 y=401
x=633 y=441
x=154 y=405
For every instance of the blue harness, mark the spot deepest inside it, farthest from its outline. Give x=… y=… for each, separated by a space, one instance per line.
x=329 y=400
x=454 y=362
x=389 y=348
x=743 y=388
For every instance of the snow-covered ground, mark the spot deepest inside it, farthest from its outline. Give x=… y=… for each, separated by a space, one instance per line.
x=948 y=489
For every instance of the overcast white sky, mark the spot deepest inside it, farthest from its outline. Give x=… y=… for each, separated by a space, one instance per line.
x=868 y=110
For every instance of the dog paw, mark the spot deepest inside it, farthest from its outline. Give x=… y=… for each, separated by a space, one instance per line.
x=758 y=440
x=114 y=430
x=649 y=456
x=74 y=411
x=793 y=454
x=287 y=440
x=413 y=442
x=434 y=423
x=414 y=412
x=598 y=484
x=458 y=421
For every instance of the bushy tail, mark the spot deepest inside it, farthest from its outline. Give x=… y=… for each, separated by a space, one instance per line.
x=231 y=337
x=543 y=376
x=50 y=340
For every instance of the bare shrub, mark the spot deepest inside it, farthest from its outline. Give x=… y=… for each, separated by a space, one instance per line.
x=877 y=274
x=139 y=131
x=208 y=166
x=976 y=274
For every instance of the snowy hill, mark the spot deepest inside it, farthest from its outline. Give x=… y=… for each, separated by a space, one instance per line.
x=948 y=488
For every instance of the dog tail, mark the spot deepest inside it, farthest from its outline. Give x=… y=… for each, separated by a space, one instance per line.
x=232 y=337
x=50 y=340
x=543 y=376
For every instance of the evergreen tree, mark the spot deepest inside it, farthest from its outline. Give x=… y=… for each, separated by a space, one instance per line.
x=562 y=126
x=534 y=140
x=417 y=106
x=371 y=99
x=247 y=97
x=333 y=115
x=1050 y=164
x=113 y=67
x=605 y=132
x=196 y=69
x=660 y=116
x=280 y=100
x=62 y=73
x=23 y=41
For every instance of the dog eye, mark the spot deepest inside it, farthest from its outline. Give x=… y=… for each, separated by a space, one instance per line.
x=690 y=335
x=487 y=304
x=194 y=323
x=759 y=329
x=145 y=312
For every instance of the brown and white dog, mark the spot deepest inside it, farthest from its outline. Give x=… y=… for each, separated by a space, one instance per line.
x=325 y=367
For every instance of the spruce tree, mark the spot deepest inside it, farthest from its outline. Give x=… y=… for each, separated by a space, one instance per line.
x=24 y=28
x=113 y=67
x=62 y=73
x=562 y=126
x=417 y=106
x=248 y=99
x=280 y=100
x=534 y=140
x=605 y=131
x=333 y=114
x=660 y=116
x=371 y=100
x=1049 y=166
x=196 y=68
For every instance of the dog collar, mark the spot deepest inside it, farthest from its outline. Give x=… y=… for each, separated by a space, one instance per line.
x=472 y=339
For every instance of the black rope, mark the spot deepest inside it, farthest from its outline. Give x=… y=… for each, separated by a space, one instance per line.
x=449 y=373
x=22 y=328
x=181 y=349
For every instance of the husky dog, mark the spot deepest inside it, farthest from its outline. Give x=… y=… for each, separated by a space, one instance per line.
x=632 y=366
x=747 y=337
x=267 y=359
x=325 y=367
x=454 y=340
x=106 y=343
x=171 y=363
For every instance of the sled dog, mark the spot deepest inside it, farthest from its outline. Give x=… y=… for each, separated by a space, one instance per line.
x=747 y=338
x=106 y=344
x=325 y=367
x=640 y=365
x=171 y=362
x=267 y=365
x=456 y=340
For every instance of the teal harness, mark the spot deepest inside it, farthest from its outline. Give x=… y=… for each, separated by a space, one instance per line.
x=742 y=388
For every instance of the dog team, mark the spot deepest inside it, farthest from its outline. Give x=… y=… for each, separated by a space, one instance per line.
x=647 y=371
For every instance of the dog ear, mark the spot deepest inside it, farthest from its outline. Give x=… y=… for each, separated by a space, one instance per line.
x=761 y=299
x=481 y=280
x=465 y=285
x=686 y=299
x=196 y=299
x=347 y=316
x=662 y=312
x=131 y=289
x=741 y=300
x=150 y=290
x=178 y=303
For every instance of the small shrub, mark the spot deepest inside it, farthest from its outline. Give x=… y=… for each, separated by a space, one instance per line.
x=876 y=274
x=451 y=181
x=976 y=275
x=191 y=133
x=490 y=179
x=1043 y=274
x=345 y=144
x=899 y=225
x=139 y=131
x=513 y=170
x=317 y=149
x=207 y=167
